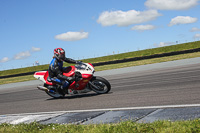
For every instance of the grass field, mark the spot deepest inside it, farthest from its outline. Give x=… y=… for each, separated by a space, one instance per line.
x=192 y=126
x=147 y=52
x=178 y=47
x=114 y=66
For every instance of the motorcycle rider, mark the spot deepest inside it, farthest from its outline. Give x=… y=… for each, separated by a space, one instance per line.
x=56 y=69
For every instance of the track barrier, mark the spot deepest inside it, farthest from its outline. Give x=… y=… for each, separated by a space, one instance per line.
x=120 y=61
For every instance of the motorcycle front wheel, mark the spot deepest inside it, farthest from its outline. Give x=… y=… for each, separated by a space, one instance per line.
x=99 y=85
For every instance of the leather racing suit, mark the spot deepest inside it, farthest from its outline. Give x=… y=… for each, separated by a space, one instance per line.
x=56 y=72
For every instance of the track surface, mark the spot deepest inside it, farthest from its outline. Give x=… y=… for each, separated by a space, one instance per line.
x=164 y=86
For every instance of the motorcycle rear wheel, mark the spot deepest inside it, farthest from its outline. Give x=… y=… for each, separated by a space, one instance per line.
x=102 y=85
x=54 y=95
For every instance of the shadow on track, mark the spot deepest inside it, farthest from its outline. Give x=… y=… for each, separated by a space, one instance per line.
x=78 y=96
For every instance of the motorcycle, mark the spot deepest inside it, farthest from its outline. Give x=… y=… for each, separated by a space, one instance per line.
x=85 y=81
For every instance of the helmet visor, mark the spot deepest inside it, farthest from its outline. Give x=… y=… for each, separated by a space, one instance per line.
x=61 y=56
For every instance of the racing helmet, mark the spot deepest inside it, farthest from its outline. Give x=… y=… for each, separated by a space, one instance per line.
x=59 y=53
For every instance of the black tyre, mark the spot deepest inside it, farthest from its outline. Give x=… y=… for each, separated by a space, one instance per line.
x=102 y=86
x=54 y=95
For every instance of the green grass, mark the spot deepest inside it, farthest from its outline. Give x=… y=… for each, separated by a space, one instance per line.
x=23 y=70
x=179 y=47
x=147 y=61
x=113 y=66
x=190 y=126
x=16 y=79
x=147 y=52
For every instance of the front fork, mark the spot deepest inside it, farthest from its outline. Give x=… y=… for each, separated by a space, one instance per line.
x=90 y=83
x=93 y=85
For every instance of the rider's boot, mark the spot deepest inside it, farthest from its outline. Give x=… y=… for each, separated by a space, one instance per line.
x=51 y=91
x=62 y=90
x=65 y=87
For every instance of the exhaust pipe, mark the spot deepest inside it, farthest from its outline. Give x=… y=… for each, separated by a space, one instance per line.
x=43 y=88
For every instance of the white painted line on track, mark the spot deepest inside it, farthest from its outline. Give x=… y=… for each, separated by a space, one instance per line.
x=17 y=121
x=109 y=109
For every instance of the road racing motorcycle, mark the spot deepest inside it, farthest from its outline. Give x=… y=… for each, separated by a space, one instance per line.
x=85 y=81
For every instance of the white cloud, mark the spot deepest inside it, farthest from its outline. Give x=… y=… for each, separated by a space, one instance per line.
x=72 y=36
x=22 y=55
x=182 y=20
x=194 y=29
x=162 y=44
x=122 y=18
x=171 y=4
x=5 y=59
x=143 y=27
x=197 y=36
x=34 y=49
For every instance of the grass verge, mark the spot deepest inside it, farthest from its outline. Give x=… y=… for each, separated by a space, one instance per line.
x=141 y=53
x=113 y=66
x=191 y=126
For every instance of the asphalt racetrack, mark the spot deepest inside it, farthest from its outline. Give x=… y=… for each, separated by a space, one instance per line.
x=169 y=83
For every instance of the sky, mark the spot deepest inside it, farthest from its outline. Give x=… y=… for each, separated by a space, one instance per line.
x=31 y=29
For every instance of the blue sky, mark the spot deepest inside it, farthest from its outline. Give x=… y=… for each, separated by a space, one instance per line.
x=31 y=29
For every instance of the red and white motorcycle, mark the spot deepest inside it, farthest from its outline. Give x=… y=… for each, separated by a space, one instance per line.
x=85 y=81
